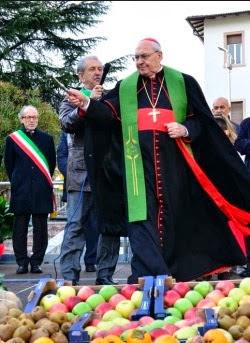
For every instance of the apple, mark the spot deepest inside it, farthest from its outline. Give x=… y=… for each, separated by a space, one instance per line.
x=133 y=324
x=85 y=292
x=125 y=334
x=102 y=308
x=157 y=333
x=128 y=290
x=90 y=330
x=136 y=298
x=81 y=308
x=70 y=302
x=116 y=330
x=170 y=328
x=145 y=320
x=170 y=297
x=59 y=307
x=203 y=287
x=237 y=294
x=102 y=325
x=115 y=299
x=172 y=311
x=110 y=315
x=64 y=292
x=182 y=288
x=183 y=305
x=245 y=285
x=49 y=300
x=192 y=313
x=94 y=322
x=193 y=296
x=157 y=324
x=225 y=286
x=100 y=333
x=229 y=303
x=215 y=296
x=107 y=291
x=125 y=308
x=70 y=316
x=120 y=321
x=245 y=299
x=185 y=332
x=205 y=303
x=94 y=300
x=182 y=323
x=171 y=319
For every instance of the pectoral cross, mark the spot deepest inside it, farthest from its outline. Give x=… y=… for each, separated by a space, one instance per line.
x=154 y=113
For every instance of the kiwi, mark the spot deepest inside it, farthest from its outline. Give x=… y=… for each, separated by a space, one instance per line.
x=15 y=312
x=65 y=327
x=226 y=322
x=243 y=321
x=40 y=332
x=16 y=340
x=23 y=332
x=246 y=334
x=52 y=327
x=59 y=337
x=236 y=331
x=58 y=317
x=38 y=313
x=6 y=331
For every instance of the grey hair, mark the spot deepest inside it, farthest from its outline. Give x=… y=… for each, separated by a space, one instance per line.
x=155 y=45
x=25 y=109
x=83 y=62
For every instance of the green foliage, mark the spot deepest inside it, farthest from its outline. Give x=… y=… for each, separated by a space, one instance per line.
x=39 y=39
x=12 y=99
x=6 y=220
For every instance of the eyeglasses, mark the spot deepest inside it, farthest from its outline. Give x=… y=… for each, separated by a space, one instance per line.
x=30 y=117
x=144 y=57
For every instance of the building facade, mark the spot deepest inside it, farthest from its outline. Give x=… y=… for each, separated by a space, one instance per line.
x=226 y=39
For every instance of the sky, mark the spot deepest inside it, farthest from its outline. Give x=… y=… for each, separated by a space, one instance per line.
x=129 y=21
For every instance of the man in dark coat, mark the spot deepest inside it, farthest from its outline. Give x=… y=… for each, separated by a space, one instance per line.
x=30 y=161
x=170 y=172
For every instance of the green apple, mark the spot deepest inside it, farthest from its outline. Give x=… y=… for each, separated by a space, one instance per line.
x=156 y=324
x=107 y=291
x=136 y=298
x=171 y=319
x=120 y=321
x=183 y=304
x=110 y=315
x=94 y=300
x=229 y=303
x=203 y=287
x=49 y=300
x=81 y=308
x=65 y=292
x=172 y=311
x=185 y=333
x=237 y=294
x=125 y=308
x=245 y=285
x=90 y=330
x=194 y=296
x=104 y=325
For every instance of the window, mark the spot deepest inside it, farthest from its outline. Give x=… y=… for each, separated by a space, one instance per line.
x=234 y=46
x=237 y=111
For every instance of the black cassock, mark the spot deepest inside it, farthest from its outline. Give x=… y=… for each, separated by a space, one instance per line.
x=185 y=234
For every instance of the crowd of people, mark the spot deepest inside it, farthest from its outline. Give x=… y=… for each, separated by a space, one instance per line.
x=148 y=160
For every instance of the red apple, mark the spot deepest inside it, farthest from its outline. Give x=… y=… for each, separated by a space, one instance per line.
x=128 y=290
x=85 y=292
x=94 y=322
x=70 y=302
x=100 y=333
x=157 y=333
x=191 y=313
x=205 y=303
x=181 y=323
x=115 y=299
x=182 y=288
x=170 y=297
x=103 y=308
x=170 y=329
x=225 y=286
x=215 y=295
x=58 y=308
x=145 y=320
x=131 y=325
x=116 y=330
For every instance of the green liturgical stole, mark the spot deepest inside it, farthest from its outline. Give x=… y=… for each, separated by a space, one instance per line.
x=135 y=182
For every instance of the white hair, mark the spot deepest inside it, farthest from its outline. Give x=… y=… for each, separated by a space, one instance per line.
x=21 y=114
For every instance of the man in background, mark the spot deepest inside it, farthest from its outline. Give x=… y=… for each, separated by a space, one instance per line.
x=222 y=107
x=30 y=161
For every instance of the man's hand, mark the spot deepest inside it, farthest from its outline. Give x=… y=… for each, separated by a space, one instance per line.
x=96 y=92
x=176 y=130
x=76 y=98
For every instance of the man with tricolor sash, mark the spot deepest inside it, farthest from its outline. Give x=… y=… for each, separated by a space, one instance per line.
x=30 y=161
x=169 y=174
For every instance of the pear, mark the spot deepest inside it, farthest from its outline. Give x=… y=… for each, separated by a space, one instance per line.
x=6 y=331
x=59 y=337
x=52 y=327
x=23 y=332
x=41 y=322
x=236 y=331
x=40 y=332
x=243 y=321
x=28 y=322
x=38 y=313
x=226 y=322
x=65 y=327
x=15 y=312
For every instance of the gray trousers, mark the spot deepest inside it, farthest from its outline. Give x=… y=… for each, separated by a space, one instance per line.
x=107 y=255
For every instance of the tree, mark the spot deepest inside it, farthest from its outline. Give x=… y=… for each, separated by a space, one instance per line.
x=12 y=99
x=39 y=39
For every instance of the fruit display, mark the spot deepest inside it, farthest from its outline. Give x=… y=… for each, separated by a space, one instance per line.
x=191 y=312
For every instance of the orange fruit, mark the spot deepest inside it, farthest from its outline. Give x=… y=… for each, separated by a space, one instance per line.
x=43 y=340
x=215 y=336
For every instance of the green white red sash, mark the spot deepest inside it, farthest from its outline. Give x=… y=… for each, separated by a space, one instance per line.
x=32 y=150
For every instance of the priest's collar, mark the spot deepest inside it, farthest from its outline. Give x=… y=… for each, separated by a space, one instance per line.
x=159 y=73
